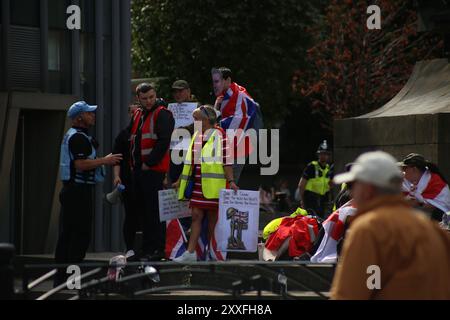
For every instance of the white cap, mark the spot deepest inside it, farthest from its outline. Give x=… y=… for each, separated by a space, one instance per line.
x=378 y=168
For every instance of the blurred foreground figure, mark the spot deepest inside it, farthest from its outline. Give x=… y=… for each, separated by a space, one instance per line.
x=391 y=251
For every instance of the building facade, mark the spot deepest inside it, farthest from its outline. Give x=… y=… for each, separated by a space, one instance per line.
x=44 y=68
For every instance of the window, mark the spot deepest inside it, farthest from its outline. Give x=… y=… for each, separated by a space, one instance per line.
x=54 y=50
x=59 y=61
x=24 y=62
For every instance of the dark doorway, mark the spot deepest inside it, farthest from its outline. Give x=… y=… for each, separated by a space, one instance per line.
x=33 y=176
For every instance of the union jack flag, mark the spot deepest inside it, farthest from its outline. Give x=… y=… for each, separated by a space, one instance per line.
x=176 y=242
x=238 y=111
x=241 y=217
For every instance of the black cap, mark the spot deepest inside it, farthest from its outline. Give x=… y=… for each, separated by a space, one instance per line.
x=180 y=85
x=413 y=160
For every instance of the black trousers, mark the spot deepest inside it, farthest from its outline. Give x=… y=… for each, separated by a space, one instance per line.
x=146 y=185
x=132 y=222
x=75 y=225
x=316 y=202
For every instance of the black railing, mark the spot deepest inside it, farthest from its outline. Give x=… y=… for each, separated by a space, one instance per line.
x=233 y=278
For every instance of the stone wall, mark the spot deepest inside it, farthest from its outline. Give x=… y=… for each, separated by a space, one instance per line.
x=428 y=134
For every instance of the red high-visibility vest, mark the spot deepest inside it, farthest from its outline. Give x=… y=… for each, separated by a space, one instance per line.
x=148 y=139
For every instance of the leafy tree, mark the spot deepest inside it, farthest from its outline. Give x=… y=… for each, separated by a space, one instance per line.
x=262 y=42
x=353 y=70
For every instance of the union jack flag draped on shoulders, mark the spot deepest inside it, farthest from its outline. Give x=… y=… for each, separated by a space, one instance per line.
x=238 y=111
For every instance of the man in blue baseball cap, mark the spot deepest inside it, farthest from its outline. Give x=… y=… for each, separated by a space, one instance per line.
x=79 y=107
x=80 y=170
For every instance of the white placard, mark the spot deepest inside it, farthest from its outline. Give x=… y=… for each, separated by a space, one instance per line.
x=169 y=206
x=238 y=222
x=182 y=113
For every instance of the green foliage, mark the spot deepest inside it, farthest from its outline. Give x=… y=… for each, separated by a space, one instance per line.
x=353 y=70
x=261 y=41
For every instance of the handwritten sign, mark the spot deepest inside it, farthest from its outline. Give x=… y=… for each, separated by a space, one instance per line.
x=238 y=221
x=182 y=113
x=169 y=206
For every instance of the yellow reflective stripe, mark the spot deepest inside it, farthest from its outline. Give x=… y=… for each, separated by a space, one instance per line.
x=206 y=175
x=213 y=175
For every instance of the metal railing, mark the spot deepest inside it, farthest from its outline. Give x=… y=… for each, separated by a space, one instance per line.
x=233 y=278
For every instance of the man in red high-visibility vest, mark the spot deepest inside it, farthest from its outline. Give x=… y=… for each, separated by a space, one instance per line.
x=150 y=133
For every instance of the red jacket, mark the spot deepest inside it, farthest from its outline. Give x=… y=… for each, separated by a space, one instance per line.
x=302 y=230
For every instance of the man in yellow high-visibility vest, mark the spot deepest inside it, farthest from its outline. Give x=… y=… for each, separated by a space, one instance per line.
x=314 y=185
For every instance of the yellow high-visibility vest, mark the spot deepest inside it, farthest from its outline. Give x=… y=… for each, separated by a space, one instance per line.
x=320 y=184
x=213 y=176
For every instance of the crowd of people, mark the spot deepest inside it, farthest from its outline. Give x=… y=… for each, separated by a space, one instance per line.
x=392 y=216
x=143 y=165
x=386 y=211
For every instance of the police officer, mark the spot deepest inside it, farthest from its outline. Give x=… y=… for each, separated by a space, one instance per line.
x=314 y=185
x=80 y=170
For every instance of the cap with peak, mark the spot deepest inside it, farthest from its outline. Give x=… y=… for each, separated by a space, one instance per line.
x=180 y=85
x=413 y=160
x=78 y=108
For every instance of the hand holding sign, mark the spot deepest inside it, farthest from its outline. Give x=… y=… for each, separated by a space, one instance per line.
x=169 y=206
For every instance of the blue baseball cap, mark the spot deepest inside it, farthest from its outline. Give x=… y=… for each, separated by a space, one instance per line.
x=79 y=107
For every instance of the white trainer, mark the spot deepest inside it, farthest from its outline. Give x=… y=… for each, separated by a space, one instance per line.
x=186 y=257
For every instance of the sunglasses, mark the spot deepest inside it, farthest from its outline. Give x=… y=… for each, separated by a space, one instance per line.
x=203 y=109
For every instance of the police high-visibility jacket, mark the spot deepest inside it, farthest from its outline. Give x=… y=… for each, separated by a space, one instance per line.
x=148 y=138
x=211 y=165
x=67 y=170
x=320 y=184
